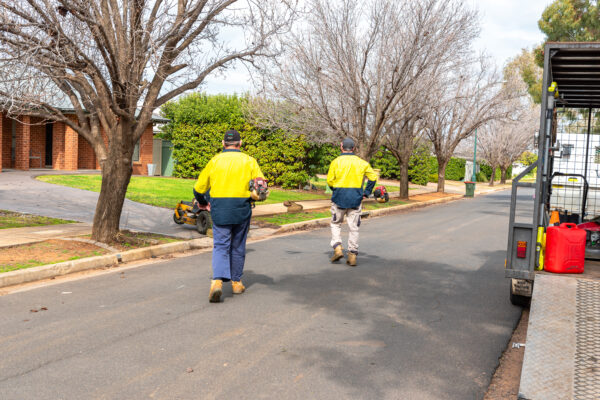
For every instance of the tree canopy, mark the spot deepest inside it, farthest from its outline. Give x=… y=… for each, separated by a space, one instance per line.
x=569 y=21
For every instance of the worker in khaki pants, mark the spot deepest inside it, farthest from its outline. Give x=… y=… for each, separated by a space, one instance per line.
x=345 y=178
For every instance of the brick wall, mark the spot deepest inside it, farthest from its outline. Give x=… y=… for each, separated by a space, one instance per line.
x=141 y=167
x=58 y=145
x=37 y=143
x=22 y=146
x=86 y=156
x=71 y=149
x=6 y=142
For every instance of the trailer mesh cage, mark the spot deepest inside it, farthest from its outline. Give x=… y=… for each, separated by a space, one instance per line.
x=575 y=173
x=568 y=164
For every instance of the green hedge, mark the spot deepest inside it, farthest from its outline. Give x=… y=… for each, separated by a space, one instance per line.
x=455 y=170
x=422 y=166
x=319 y=156
x=486 y=172
x=197 y=124
x=418 y=166
x=385 y=161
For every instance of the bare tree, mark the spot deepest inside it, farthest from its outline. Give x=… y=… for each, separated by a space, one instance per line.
x=349 y=69
x=115 y=61
x=469 y=97
x=491 y=144
x=503 y=141
x=400 y=139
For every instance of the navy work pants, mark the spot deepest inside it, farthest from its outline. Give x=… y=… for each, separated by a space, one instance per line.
x=229 y=250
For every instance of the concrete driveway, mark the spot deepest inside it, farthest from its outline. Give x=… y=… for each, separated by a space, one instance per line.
x=20 y=191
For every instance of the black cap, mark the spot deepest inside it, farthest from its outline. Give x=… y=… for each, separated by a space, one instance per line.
x=232 y=136
x=348 y=144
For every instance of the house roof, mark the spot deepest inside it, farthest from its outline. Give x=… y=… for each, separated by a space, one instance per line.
x=155 y=117
x=575 y=67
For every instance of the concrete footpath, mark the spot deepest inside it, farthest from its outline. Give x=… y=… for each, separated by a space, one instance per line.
x=33 y=234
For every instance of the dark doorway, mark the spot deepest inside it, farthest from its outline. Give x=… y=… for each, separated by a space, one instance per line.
x=49 y=145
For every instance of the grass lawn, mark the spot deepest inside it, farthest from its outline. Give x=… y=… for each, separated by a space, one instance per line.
x=164 y=192
x=375 y=205
x=290 y=218
x=9 y=219
x=321 y=183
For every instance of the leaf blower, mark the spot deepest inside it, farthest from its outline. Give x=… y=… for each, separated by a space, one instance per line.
x=258 y=189
x=381 y=194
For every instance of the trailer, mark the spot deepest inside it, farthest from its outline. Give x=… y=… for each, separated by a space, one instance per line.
x=568 y=166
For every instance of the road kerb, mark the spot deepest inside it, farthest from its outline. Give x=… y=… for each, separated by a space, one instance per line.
x=50 y=271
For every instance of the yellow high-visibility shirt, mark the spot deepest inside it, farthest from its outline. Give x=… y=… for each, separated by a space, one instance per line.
x=227 y=176
x=345 y=177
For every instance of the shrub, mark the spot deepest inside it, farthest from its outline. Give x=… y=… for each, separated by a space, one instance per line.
x=487 y=171
x=418 y=166
x=196 y=127
x=319 y=156
x=481 y=177
x=455 y=170
x=385 y=161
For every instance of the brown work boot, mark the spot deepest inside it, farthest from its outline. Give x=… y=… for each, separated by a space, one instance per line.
x=337 y=253
x=351 y=261
x=238 y=287
x=216 y=289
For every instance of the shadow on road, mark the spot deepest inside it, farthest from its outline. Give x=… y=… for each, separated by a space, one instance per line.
x=404 y=316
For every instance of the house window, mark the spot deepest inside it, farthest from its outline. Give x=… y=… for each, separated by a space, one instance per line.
x=597 y=155
x=136 y=152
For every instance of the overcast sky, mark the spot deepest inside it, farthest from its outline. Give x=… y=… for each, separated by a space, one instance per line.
x=507 y=26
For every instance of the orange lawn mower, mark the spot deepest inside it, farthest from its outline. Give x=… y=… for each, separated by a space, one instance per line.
x=193 y=213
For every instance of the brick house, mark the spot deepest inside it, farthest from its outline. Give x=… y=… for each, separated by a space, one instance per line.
x=27 y=143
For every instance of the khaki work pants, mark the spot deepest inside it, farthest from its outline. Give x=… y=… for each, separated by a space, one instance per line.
x=353 y=219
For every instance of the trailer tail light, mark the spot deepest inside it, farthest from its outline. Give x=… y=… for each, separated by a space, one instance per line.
x=521 y=249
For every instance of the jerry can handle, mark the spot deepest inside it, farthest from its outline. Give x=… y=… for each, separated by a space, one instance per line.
x=568 y=225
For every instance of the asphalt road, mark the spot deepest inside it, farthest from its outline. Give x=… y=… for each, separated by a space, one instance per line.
x=425 y=315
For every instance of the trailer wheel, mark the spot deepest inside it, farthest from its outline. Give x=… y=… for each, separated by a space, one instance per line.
x=178 y=221
x=203 y=222
x=518 y=300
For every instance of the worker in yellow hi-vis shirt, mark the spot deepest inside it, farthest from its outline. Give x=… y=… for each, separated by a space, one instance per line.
x=345 y=178
x=227 y=176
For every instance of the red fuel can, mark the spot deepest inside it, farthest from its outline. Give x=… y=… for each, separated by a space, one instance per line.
x=565 y=249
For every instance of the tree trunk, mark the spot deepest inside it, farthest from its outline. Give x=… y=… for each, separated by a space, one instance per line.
x=441 y=174
x=404 y=180
x=503 y=175
x=493 y=175
x=116 y=173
